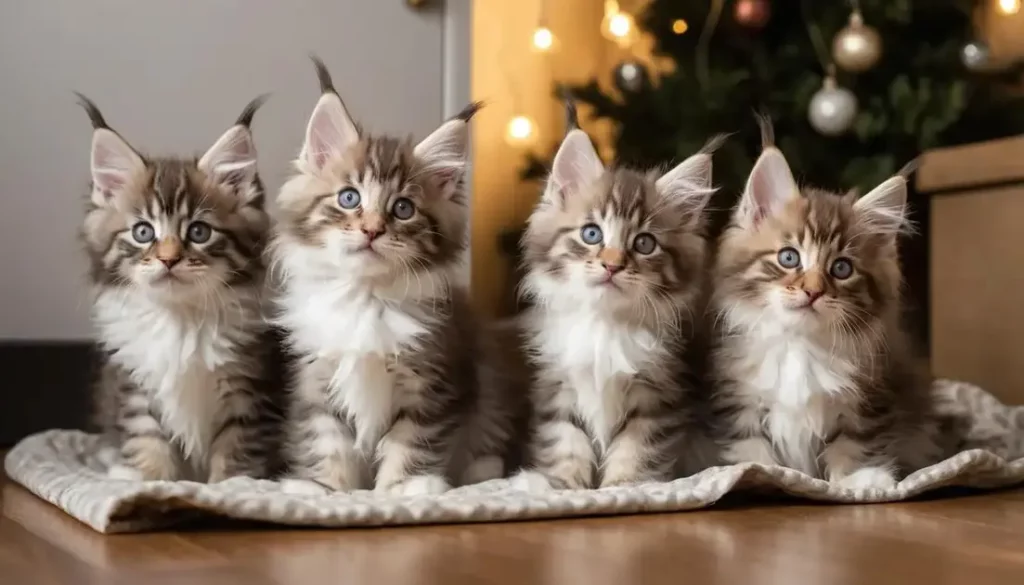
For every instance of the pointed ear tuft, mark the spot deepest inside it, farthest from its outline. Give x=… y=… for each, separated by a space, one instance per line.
x=444 y=152
x=576 y=165
x=770 y=186
x=884 y=209
x=323 y=75
x=245 y=118
x=469 y=111
x=572 y=117
x=93 y=112
x=764 y=122
x=232 y=158
x=113 y=163
x=688 y=186
x=331 y=130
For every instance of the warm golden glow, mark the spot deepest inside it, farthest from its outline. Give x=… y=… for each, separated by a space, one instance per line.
x=620 y=24
x=1009 y=6
x=520 y=130
x=679 y=26
x=543 y=39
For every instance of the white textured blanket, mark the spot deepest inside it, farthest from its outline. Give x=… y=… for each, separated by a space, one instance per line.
x=67 y=468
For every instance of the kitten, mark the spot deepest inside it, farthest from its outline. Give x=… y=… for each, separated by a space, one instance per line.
x=372 y=233
x=615 y=263
x=812 y=368
x=175 y=248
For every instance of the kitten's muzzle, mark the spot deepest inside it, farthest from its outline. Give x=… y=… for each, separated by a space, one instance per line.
x=373 y=233
x=169 y=251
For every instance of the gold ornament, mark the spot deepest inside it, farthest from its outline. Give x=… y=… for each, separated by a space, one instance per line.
x=857 y=47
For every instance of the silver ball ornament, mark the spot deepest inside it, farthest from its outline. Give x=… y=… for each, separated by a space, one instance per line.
x=630 y=76
x=832 y=109
x=857 y=47
x=975 y=55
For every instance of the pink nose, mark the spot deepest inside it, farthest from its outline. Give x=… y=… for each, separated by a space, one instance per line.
x=814 y=295
x=372 y=234
x=612 y=268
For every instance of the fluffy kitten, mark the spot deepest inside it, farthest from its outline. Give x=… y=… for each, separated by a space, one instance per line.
x=175 y=250
x=812 y=368
x=615 y=263
x=372 y=233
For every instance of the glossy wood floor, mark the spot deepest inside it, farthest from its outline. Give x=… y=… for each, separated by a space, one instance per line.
x=976 y=540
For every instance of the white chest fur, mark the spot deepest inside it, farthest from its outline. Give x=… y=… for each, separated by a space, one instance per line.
x=177 y=354
x=598 y=358
x=360 y=335
x=801 y=388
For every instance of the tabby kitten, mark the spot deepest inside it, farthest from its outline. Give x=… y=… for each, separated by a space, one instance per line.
x=615 y=262
x=372 y=233
x=812 y=368
x=175 y=250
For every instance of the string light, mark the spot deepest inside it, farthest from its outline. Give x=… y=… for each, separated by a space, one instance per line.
x=543 y=39
x=521 y=131
x=620 y=25
x=1009 y=6
x=617 y=25
x=679 y=26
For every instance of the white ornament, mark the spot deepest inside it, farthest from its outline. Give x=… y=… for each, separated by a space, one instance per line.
x=975 y=55
x=832 y=108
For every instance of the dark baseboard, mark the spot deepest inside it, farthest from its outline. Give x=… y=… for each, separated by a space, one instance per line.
x=45 y=385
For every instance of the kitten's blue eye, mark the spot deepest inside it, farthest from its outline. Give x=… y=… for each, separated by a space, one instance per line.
x=199 y=232
x=841 y=269
x=348 y=198
x=591 y=234
x=402 y=208
x=143 y=232
x=644 y=244
x=789 y=258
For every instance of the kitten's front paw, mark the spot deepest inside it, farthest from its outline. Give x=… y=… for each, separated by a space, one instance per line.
x=612 y=482
x=869 y=478
x=532 y=482
x=420 y=485
x=223 y=467
x=304 y=487
x=124 y=473
x=753 y=450
x=483 y=469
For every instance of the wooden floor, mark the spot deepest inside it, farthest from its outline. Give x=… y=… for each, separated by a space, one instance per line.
x=974 y=540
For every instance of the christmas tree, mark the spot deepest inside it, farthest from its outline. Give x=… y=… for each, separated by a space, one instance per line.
x=855 y=91
x=906 y=76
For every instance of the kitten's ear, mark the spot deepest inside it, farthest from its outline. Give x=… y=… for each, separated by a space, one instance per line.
x=576 y=165
x=331 y=130
x=232 y=159
x=688 y=185
x=884 y=209
x=112 y=162
x=770 y=186
x=444 y=152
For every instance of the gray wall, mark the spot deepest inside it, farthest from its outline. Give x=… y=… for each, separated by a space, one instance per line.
x=171 y=75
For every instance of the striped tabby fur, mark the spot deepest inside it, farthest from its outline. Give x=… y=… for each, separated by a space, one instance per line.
x=615 y=263
x=387 y=391
x=175 y=250
x=812 y=369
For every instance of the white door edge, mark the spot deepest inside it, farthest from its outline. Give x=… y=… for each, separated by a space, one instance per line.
x=456 y=43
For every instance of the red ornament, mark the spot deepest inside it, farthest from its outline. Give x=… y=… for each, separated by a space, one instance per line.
x=752 y=13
